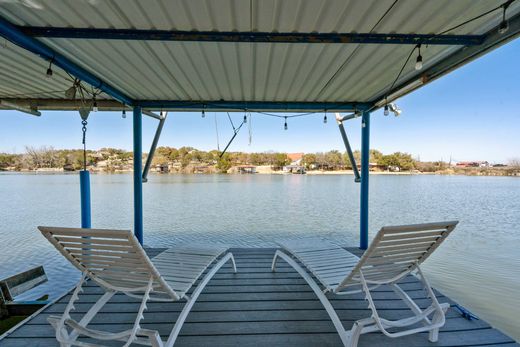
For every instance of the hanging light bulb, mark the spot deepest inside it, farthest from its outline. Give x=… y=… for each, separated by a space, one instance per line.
x=94 y=105
x=418 y=62
x=245 y=118
x=285 y=124
x=386 y=112
x=504 y=25
x=123 y=114
x=203 y=112
x=325 y=118
x=49 y=70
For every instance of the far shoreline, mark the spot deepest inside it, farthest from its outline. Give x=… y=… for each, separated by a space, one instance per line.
x=58 y=171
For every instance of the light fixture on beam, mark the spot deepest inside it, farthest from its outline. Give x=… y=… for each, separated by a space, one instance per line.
x=33 y=111
x=400 y=92
x=396 y=110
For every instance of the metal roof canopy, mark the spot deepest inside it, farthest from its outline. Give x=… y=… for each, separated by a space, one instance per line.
x=234 y=55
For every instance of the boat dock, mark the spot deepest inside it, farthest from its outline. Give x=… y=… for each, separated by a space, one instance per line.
x=257 y=307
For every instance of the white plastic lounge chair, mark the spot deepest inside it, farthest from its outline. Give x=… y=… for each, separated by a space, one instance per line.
x=115 y=261
x=393 y=254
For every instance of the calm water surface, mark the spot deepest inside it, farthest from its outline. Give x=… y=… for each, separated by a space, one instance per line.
x=478 y=266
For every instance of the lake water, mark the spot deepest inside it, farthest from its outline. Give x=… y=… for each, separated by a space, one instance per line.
x=478 y=265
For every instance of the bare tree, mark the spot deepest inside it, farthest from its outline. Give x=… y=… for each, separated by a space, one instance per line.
x=43 y=157
x=514 y=163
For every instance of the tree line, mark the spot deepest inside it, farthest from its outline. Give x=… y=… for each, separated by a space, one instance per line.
x=49 y=157
x=72 y=159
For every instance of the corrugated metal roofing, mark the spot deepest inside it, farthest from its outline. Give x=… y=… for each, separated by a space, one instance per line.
x=300 y=72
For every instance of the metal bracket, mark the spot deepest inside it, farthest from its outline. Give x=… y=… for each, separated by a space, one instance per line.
x=162 y=119
x=340 y=120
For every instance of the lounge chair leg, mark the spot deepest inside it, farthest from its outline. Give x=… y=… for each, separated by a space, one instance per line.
x=189 y=304
x=440 y=309
x=140 y=314
x=233 y=262
x=438 y=317
x=353 y=335
x=275 y=258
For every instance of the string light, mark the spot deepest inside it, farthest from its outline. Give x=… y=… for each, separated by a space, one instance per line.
x=418 y=62
x=245 y=118
x=123 y=114
x=285 y=124
x=325 y=118
x=94 y=104
x=504 y=25
x=203 y=111
x=49 y=69
x=386 y=111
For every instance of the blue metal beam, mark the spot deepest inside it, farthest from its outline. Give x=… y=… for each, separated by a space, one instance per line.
x=138 y=179
x=365 y=159
x=222 y=105
x=231 y=36
x=13 y=34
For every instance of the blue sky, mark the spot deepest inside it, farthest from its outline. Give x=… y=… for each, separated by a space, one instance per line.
x=470 y=114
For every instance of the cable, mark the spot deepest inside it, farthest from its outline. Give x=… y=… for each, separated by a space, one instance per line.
x=506 y=4
x=401 y=71
x=216 y=130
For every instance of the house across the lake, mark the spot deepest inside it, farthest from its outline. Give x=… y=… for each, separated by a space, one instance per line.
x=472 y=164
x=246 y=169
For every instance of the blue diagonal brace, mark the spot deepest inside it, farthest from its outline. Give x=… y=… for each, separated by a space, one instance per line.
x=13 y=34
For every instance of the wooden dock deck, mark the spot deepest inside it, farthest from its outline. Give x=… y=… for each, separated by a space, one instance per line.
x=259 y=308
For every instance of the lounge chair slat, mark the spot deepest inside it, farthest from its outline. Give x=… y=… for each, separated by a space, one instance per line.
x=390 y=260
x=98 y=241
x=417 y=236
x=96 y=260
x=414 y=227
x=93 y=251
x=100 y=233
x=406 y=242
x=414 y=252
x=122 y=248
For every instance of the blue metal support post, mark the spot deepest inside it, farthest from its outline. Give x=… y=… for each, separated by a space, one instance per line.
x=138 y=179
x=84 y=182
x=365 y=158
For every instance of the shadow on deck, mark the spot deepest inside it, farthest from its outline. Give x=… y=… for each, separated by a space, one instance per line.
x=259 y=308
